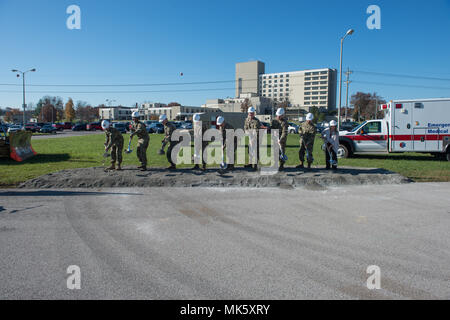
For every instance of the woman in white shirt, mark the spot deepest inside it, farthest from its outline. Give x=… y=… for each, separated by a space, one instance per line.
x=331 y=137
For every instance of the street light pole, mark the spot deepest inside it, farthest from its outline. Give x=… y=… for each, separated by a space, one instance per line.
x=23 y=90
x=349 y=32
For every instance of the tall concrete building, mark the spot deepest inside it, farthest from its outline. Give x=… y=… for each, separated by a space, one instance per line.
x=302 y=89
x=247 y=77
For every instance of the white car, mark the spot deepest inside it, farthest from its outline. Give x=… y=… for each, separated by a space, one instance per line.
x=293 y=128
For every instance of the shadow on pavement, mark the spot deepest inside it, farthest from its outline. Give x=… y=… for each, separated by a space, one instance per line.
x=53 y=193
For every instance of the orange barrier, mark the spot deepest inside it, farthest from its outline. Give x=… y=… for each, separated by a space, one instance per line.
x=20 y=145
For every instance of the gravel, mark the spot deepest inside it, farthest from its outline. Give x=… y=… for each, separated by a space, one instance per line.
x=314 y=179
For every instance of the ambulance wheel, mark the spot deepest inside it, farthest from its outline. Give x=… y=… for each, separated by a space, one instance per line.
x=448 y=154
x=343 y=152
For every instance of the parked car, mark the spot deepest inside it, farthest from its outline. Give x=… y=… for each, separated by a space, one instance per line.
x=186 y=125
x=47 y=128
x=155 y=128
x=93 y=126
x=58 y=126
x=121 y=126
x=14 y=128
x=33 y=127
x=68 y=125
x=293 y=128
x=79 y=127
x=177 y=124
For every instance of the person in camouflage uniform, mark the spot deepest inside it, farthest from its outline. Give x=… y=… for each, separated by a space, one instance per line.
x=253 y=123
x=169 y=128
x=139 y=129
x=223 y=127
x=307 y=133
x=114 y=141
x=281 y=124
x=200 y=131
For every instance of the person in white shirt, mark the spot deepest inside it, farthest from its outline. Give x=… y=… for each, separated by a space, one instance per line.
x=331 y=138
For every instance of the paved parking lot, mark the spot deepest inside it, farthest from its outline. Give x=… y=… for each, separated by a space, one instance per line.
x=225 y=243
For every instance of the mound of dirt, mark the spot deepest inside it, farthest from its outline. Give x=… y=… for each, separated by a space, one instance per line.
x=314 y=179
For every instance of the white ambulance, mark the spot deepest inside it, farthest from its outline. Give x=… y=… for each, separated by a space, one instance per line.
x=408 y=126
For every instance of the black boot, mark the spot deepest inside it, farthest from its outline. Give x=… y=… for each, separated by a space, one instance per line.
x=196 y=167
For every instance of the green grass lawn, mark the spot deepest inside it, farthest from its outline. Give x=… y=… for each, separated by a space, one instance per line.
x=86 y=151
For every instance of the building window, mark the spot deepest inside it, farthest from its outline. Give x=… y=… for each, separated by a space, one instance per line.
x=307 y=88
x=315 y=73
x=323 y=98
x=275 y=76
x=315 y=78
x=323 y=77
x=287 y=76
x=323 y=92
x=281 y=80
x=281 y=94
x=323 y=88
x=324 y=72
x=307 y=98
x=281 y=76
x=307 y=79
x=307 y=83
x=323 y=82
x=287 y=80
x=287 y=84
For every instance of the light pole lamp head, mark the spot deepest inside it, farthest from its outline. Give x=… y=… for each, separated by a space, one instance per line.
x=14 y=70
x=33 y=70
x=350 y=32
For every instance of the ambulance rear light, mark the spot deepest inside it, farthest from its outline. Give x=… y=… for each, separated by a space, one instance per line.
x=398 y=106
x=384 y=106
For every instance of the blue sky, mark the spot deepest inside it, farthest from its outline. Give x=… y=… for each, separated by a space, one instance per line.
x=132 y=42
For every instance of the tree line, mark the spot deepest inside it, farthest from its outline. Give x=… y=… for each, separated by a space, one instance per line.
x=53 y=109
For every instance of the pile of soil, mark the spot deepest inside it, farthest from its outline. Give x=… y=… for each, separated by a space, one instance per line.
x=97 y=177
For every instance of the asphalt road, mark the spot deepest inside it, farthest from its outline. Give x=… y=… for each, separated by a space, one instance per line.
x=206 y=243
x=65 y=134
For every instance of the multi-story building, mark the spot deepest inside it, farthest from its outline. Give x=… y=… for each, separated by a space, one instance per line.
x=247 y=77
x=173 y=112
x=261 y=104
x=115 y=113
x=302 y=89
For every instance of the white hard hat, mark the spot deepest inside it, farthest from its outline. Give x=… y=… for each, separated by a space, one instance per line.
x=135 y=114
x=280 y=112
x=309 y=117
x=162 y=117
x=220 y=120
x=196 y=117
x=333 y=123
x=251 y=110
x=105 y=124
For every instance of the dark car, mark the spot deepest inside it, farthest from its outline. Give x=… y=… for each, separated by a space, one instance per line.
x=68 y=125
x=79 y=127
x=93 y=126
x=47 y=128
x=58 y=126
x=121 y=126
x=33 y=127
x=155 y=128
